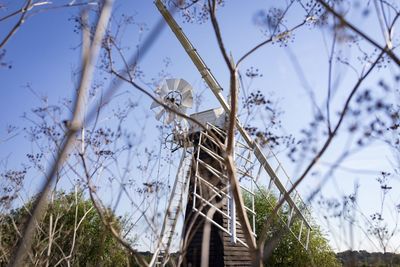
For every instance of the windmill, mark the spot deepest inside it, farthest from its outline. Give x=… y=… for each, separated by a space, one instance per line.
x=201 y=184
x=178 y=95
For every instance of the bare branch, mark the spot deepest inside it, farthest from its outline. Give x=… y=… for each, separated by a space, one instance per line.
x=263 y=235
x=212 y=6
x=269 y=40
x=17 y=25
x=102 y=212
x=40 y=203
x=387 y=50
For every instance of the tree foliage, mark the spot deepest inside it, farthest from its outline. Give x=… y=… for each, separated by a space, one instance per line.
x=364 y=258
x=289 y=252
x=70 y=233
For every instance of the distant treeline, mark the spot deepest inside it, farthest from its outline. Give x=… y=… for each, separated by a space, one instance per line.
x=349 y=258
x=363 y=258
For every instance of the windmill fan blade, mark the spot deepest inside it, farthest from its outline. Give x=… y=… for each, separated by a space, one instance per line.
x=184 y=124
x=186 y=89
x=182 y=84
x=163 y=90
x=179 y=118
x=187 y=99
x=181 y=110
x=171 y=84
x=160 y=114
x=170 y=117
x=154 y=105
x=176 y=84
x=187 y=93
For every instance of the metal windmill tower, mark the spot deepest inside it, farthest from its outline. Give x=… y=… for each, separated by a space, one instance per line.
x=201 y=190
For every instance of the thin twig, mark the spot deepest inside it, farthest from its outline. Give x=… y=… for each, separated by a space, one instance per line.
x=269 y=40
x=17 y=25
x=388 y=51
x=330 y=71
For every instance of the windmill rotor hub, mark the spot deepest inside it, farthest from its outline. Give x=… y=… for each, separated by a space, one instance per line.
x=174 y=98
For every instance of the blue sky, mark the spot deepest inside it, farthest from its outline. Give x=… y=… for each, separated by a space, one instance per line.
x=45 y=51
